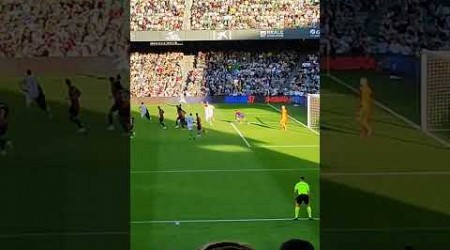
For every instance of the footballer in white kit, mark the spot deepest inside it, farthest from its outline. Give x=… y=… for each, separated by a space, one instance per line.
x=190 y=126
x=30 y=88
x=209 y=113
x=34 y=93
x=144 y=112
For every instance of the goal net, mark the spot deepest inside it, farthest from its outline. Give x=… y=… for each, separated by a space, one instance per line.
x=435 y=91
x=313 y=111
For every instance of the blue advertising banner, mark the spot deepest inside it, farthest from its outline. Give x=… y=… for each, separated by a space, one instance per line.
x=236 y=99
x=402 y=66
x=299 y=100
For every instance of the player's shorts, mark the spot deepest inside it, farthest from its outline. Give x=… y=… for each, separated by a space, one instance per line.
x=303 y=198
x=145 y=114
x=30 y=99
x=74 y=111
x=364 y=112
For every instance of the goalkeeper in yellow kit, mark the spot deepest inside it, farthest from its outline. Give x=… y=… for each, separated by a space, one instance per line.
x=365 y=107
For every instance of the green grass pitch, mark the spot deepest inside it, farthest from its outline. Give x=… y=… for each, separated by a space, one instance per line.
x=222 y=186
x=58 y=186
x=380 y=192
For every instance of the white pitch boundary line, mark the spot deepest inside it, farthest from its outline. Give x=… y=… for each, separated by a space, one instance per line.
x=50 y=234
x=223 y=170
x=405 y=173
x=395 y=114
x=241 y=135
x=295 y=120
x=216 y=221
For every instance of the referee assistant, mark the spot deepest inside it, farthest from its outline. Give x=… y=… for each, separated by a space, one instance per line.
x=302 y=194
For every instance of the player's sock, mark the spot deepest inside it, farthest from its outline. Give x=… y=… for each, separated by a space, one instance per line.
x=308 y=209
x=297 y=211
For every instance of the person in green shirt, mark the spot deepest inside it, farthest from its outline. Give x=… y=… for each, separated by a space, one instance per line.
x=302 y=194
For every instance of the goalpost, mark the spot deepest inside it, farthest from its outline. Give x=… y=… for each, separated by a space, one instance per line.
x=435 y=91
x=313 y=107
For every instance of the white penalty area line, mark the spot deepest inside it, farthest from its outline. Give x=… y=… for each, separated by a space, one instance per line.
x=295 y=120
x=217 y=221
x=393 y=113
x=54 y=234
x=225 y=170
x=240 y=134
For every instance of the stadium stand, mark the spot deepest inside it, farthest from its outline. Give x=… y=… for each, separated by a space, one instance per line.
x=354 y=32
x=174 y=74
x=156 y=15
x=65 y=28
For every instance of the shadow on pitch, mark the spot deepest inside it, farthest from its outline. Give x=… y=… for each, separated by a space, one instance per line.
x=325 y=112
x=353 y=219
x=57 y=182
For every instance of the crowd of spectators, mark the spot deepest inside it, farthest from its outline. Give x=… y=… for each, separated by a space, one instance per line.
x=254 y=14
x=161 y=15
x=165 y=15
x=225 y=73
x=386 y=27
x=155 y=74
x=62 y=28
x=251 y=73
